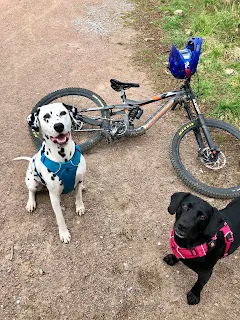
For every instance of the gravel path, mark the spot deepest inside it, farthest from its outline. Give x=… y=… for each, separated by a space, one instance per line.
x=113 y=267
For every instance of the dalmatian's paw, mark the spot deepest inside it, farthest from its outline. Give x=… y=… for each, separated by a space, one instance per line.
x=64 y=235
x=31 y=205
x=80 y=209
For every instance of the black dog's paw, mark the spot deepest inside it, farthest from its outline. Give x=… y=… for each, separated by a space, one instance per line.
x=192 y=299
x=170 y=259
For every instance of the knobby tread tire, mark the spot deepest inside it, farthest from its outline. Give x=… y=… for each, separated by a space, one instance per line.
x=185 y=176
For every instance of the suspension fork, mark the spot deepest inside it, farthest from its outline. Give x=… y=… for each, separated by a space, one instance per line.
x=197 y=132
x=201 y=119
x=202 y=122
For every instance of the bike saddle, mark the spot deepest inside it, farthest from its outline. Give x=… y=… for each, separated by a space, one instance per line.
x=118 y=85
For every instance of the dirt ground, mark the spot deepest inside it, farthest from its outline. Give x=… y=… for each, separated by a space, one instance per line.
x=113 y=268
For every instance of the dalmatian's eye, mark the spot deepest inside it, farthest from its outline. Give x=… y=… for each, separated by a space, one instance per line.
x=62 y=113
x=185 y=206
x=46 y=116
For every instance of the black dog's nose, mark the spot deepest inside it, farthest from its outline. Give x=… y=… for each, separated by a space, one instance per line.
x=59 y=127
x=181 y=227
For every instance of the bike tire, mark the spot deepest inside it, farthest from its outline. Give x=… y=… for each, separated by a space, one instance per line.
x=186 y=176
x=61 y=95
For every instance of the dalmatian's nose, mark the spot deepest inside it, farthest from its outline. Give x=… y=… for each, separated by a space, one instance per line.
x=59 y=127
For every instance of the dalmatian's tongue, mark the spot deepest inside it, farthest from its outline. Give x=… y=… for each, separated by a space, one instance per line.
x=61 y=139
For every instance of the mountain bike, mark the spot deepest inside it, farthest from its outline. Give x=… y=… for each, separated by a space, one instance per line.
x=203 y=152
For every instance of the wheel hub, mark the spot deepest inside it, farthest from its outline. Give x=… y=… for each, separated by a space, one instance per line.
x=211 y=159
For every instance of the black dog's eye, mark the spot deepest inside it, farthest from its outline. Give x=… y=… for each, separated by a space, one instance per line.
x=202 y=217
x=62 y=113
x=185 y=206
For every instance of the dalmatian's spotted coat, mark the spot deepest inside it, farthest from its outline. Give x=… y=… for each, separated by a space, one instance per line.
x=54 y=122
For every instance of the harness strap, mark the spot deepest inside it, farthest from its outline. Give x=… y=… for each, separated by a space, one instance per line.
x=228 y=237
x=202 y=249
x=66 y=171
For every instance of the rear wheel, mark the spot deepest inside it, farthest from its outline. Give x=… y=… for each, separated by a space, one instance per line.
x=81 y=99
x=219 y=178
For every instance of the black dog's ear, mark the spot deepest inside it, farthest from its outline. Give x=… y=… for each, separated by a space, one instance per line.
x=33 y=121
x=176 y=198
x=72 y=110
x=213 y=224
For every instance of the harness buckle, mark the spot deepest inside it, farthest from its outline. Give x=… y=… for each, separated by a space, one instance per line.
x=211 y=244
x=229 y=236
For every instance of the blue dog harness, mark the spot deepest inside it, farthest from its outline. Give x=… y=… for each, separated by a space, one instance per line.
x=65 y=171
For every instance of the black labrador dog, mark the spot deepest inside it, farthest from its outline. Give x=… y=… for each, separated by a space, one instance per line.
x=201 y=236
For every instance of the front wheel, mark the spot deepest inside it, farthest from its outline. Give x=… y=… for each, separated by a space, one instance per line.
x=85 y=135
x=216 y=179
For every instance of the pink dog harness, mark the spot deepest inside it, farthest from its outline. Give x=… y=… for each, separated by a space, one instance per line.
x=202 y=249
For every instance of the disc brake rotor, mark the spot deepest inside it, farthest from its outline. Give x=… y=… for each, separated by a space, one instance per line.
x=216 y=164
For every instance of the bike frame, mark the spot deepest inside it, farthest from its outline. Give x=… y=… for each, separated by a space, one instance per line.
x=182 y=96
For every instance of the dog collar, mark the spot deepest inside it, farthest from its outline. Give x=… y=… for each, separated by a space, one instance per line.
x=202 y=249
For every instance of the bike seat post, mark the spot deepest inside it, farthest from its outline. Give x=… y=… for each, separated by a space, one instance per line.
x=123 y=95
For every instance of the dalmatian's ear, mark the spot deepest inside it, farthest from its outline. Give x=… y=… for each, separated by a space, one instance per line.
x=33 y=121
x=72 y=110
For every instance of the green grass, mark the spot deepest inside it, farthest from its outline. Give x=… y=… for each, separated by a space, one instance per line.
x=218 y=23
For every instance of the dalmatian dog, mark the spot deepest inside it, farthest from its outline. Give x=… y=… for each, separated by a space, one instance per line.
x=59 y=164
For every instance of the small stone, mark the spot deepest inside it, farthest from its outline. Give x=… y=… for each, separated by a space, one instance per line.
x=179 y=12
x=149 y=39
x=42 y=272
x=167 y=275
x=229 y=72
x=125 y=266
x=159 y=243
x=101 y=237
x=17 y=246
x=211 y=200
x=18 y=302
x=188 y=32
